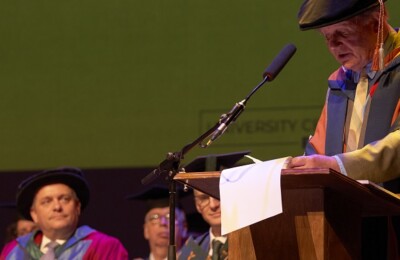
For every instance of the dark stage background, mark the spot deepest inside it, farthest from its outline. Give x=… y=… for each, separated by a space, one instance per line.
x=108 y=210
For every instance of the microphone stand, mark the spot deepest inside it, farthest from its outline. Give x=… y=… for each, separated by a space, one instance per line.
x=172 y=162
x=171 y=166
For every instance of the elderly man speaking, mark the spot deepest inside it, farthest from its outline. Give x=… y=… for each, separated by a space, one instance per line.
x=358 y=133
x=54 y=200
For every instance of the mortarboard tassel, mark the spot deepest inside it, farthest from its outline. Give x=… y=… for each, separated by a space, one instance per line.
x=381 y=57
x=377 y=62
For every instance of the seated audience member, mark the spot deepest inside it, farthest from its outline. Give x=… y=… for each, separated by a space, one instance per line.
x=24 y=226
x=156 y=222
x=212 y=243
x=54 y=200
x=19 y=227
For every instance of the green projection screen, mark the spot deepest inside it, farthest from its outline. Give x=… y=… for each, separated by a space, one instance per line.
x=103 y=84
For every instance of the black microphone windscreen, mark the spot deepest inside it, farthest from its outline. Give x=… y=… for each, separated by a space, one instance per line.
x=279 y=62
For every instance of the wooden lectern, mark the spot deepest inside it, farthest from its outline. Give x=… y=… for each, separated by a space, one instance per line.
x=321 y=219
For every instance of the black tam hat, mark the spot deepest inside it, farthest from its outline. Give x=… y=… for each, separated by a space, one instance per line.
x=214 y=162
x=315 y=14
x=157 y=196
x=8 y=205
x=72 y=177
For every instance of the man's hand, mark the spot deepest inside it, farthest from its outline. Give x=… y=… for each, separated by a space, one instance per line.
x=313 y=161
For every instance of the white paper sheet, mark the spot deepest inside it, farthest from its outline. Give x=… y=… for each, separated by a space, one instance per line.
x=250 y=193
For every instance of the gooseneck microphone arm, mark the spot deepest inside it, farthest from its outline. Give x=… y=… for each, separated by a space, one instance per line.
x=170 y=166
x=172 y=161
x=269 y=74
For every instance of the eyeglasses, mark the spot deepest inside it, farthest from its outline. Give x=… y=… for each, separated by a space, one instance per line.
x=202 y=200
x=158 y=218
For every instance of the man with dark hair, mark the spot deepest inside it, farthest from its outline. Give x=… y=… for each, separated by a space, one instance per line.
x=358 y=130
x=54 y=200
x=19 y=227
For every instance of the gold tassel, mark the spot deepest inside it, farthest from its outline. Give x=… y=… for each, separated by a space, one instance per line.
x=377 y=60
x=381 y=57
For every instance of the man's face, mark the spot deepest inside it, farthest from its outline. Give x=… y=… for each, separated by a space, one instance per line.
x=24 y=227
x=56 y=209
x=351 y=42
x=156 y=228
x=209 y=208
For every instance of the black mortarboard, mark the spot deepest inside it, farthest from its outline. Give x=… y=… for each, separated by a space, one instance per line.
x=72 y=177
x=214 y=162
x=156 y=196
x=319 y=13
x=12 y=206
x=8 y=205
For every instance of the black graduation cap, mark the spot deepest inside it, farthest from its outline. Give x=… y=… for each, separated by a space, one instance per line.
x=214 y=162
x=12 y=206
x=72 y=177
x=319 y=13
x=8 y=205
x=157 y=196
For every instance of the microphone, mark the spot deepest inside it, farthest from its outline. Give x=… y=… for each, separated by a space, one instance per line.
x=279 y=62
x=269 y=74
